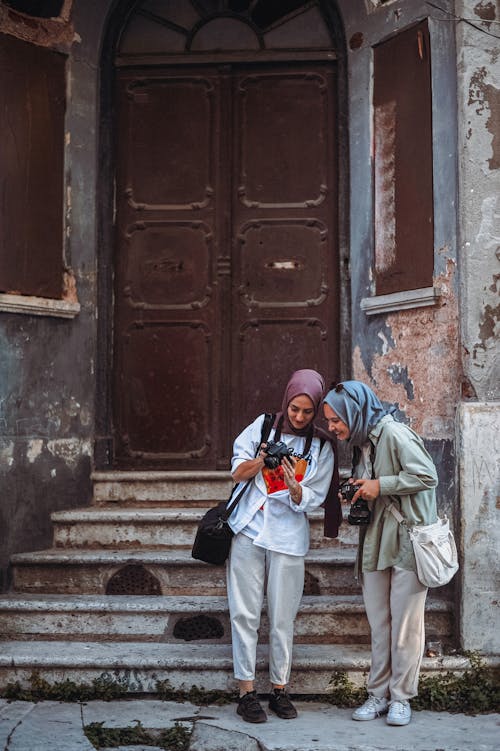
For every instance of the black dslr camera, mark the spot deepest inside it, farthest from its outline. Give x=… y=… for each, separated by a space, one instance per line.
x=275 y=452
x=359 y=513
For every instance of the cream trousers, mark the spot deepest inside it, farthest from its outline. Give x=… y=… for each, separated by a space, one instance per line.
x=248 y=570
x=395 y=604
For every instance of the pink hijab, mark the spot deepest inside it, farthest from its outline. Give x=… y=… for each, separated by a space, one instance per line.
x=307 y=382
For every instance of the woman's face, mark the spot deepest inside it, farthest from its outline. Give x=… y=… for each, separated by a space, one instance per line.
x=300 y=411
x=335 y=424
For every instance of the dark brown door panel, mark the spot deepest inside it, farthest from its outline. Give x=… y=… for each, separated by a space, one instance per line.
x=226 y=253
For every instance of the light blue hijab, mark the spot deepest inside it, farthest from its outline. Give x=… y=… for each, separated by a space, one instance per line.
x=357 y=406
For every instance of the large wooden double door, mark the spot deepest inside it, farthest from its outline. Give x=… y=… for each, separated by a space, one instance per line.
x=226 y=269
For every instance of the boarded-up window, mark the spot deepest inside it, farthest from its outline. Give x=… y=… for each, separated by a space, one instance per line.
x=404 y=236
x=32 y=105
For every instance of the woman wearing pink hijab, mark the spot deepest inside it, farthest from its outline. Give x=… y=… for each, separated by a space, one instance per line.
x=272 y=537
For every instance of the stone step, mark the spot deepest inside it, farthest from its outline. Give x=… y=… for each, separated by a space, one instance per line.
x=179 y=488
x=109 y=526
x=142 y=667
x=158 y=571
x=332 y=619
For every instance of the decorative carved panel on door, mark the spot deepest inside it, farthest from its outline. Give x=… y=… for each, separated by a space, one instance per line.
x=226 y=256
x=284 y=224
x=166 y=296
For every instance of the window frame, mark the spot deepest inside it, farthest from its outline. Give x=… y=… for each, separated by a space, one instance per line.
x=24 y=276
x=386 y=297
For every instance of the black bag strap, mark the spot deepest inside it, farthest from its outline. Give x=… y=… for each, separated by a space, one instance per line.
x=267 y=424
x=356 y=456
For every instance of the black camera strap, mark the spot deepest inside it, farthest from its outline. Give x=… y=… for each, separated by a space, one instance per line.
x=356 y=456
x=267 y=424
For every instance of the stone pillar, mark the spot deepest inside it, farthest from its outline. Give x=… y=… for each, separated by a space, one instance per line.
x=479 y=461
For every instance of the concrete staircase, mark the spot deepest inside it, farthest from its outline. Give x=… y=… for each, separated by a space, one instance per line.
x=119 y=594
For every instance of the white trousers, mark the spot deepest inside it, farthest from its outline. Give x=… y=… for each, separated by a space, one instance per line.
x=395 y=606
x=249 y=567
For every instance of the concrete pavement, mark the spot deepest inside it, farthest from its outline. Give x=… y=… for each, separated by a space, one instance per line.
x=55 y=726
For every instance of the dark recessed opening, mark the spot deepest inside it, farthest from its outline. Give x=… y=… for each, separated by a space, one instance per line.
x=133 y=580
x=37 y=8
x=198 y=627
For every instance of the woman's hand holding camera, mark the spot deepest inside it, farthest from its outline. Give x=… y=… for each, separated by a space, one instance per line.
x=368 y=489
x=293 y=486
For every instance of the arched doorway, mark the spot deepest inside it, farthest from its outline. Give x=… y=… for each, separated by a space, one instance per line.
x=226 y=230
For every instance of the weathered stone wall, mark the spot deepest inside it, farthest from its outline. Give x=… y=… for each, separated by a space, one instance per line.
x=47 y=368
x=478 y=64
x=411 y=358
x=480 y=529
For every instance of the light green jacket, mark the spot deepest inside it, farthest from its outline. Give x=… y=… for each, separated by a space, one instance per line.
x=408 y=479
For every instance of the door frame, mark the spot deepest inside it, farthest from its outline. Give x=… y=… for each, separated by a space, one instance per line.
x=103 y=437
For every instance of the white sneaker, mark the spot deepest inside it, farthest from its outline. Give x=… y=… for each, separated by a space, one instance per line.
x=399 y=713
x=373 y=707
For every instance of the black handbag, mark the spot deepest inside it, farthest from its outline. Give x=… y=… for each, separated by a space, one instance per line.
x=214 y=535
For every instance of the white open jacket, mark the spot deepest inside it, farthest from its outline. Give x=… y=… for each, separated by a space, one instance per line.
x=284 y=527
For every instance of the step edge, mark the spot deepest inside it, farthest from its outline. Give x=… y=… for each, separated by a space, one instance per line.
x=180 y=603
x=159 y=476
x=181 y=513
x=161 y=655
x=172 y=556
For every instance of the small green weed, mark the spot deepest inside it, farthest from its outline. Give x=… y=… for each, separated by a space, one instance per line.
x=195 y=695
x=104 y=687
x=474 y=691
x=100 y=737
x=343 y=693
x=175 y=738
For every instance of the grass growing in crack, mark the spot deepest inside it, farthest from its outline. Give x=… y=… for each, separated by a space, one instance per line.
x=100 y=737
x=175 y=738
x=104 y=687
x=343 y=693
x=476 y=690
x=194 y=695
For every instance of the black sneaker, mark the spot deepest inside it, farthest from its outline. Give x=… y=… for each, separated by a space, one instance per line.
x=250 y=709
x=281 y=704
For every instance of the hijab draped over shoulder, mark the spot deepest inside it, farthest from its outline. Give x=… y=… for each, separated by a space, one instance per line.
x=357 y=406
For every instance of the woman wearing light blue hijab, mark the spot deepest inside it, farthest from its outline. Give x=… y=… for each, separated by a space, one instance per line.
x=390 y=466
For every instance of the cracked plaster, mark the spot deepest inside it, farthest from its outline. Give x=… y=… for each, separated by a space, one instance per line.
x=409 y=371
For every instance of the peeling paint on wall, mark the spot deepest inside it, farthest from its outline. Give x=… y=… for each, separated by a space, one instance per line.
x=485 y=97
x=70 y=450
x=485 y=10
x=6 y=452
x=488 y=330
x=34 y=449
x=489 y=231
x=426 y=389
